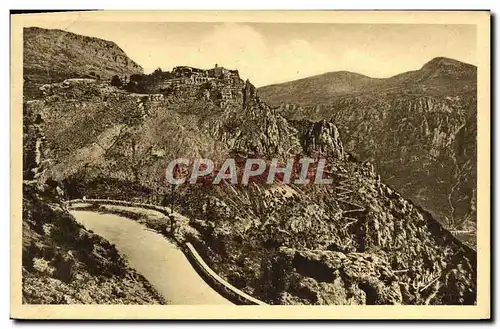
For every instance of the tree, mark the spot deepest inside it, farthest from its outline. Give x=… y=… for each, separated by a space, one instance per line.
x=116 y=81
x=158 y=71
x=136 y=77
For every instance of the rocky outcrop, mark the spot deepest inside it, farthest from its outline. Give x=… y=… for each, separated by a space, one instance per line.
x=365 y=242
x=252 y=127
x=417 y=128
x=320 y=137
x=330 y=277
x=357 y=242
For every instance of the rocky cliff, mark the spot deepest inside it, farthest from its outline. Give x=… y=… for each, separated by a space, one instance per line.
x=319 y=137
x=418 y=129
x=367 y=243
x=355 y=241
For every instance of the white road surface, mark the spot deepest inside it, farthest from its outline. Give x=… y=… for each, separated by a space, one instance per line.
x=157 y=259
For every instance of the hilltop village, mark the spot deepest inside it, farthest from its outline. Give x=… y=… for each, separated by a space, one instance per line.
x=218 y=84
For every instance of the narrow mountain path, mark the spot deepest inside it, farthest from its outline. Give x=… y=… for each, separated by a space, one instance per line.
x=160 y=261
x=344 y=191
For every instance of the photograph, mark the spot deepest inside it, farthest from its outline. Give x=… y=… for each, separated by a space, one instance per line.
x=313 y=164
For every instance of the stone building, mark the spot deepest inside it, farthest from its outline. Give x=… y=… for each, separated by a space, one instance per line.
x=192 y=75
x=226 y=81
x=226 y=94
x=200 y=79
x=220 y=72
x=186 y=71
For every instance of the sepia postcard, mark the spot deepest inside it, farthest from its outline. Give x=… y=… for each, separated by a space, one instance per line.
x=250 y=165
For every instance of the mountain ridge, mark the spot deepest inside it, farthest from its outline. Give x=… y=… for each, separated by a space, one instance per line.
x=434 y=63
x=356 y=241
x=434 y=77
x=51 y=55
x=413 y=122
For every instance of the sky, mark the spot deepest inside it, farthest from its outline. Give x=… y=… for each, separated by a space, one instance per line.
x=268 y=53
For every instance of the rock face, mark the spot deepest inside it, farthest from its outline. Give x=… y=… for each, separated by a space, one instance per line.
x=336 y=278
x=440 y=76
x=55 y=55
x=355 y=241
x=417 y=128
x=320 y=137
x=253 y=127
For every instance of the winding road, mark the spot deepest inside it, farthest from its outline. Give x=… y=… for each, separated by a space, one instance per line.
x=161 y=262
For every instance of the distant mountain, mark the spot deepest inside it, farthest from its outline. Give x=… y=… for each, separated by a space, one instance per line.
x=356 y=241
x=440 y=75
x=318 y=89
x=418 y=128
x=55 y=55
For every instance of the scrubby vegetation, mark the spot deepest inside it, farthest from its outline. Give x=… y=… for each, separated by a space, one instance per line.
x=63 y=263
x=418 y=128
x=54 y=55
x=289 y=245
x=354 y=242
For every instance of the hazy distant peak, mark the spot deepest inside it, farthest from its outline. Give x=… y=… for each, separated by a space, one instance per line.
x=348 y=75
x=343 y=75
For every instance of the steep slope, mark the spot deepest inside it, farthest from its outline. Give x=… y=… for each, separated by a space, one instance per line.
x=356 y=242
x=441 y=75
x=55 y=55
x=97 y=129
x=418 y=129
x=63 y=263
x=353 y=242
